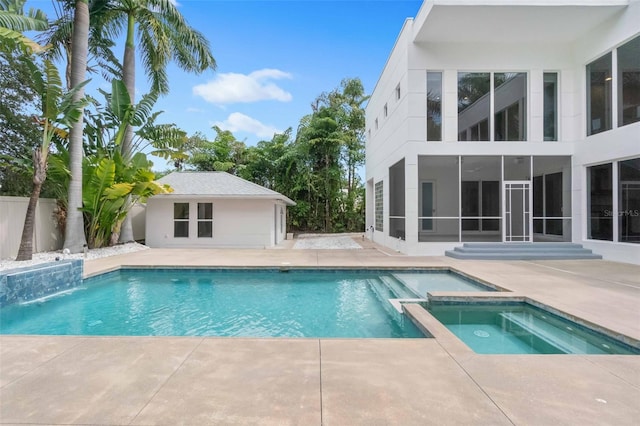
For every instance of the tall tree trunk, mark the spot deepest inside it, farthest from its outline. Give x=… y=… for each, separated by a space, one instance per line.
x=129 y=78
x=74 y=238
x=25 y=252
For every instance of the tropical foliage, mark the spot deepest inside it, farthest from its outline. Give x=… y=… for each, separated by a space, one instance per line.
x=59 y=111
x=97 y=161
x=318 y=168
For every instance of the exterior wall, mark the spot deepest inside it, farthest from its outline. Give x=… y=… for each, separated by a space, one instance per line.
x=46 y=236
x=138 y=221
x=236 y=223
x=402 y=135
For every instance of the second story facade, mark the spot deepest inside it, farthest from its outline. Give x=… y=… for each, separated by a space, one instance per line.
x=518 y=81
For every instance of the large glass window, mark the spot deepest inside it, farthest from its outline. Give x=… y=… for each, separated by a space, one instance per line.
x=434 y=106
x=550 y=90
x=510 y=105
x=379 y=210
x=600 y=202
x=205 y=220
x=474 y=106
x=629 y=201
x=629 y=82
x=599 y=95
x=181 y=220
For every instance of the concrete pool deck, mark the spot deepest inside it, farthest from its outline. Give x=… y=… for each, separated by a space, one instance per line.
x=199 y=381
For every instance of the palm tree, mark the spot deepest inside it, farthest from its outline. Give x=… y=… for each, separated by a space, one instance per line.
x=163 y=36
x=74 y=238
x=58 y=109
x=13 y=21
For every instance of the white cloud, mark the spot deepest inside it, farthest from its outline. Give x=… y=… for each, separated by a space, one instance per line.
x=228 y=88
x=238 y=122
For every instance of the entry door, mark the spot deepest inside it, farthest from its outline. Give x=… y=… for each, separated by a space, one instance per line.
x=517 y=211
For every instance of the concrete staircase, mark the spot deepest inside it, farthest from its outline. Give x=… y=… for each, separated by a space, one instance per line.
x=521 y=251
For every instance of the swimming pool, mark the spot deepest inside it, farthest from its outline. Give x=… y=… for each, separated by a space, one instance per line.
x=247 y=303
x=521 y=328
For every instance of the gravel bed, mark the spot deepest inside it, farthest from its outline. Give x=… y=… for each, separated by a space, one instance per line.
x=327 y=242
x=50 y=256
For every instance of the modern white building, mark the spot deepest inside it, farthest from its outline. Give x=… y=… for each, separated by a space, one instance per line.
x=509 y=121
x=213 y=210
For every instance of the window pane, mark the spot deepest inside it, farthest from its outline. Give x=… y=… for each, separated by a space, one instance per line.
x=473 y=106
x=550 y=106
x=181 y=210
x=434 y=106
x=599 y=95
x=181 y=229
x=510 y=104
x=205 y=211
x=599 y=184
x=629 y=201
x=205 y=229
x=629 y=82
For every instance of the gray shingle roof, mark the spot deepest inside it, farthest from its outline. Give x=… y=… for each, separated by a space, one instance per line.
x=217 y=184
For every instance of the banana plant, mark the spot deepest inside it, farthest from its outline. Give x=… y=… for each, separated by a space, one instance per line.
x=110 y=186
x=59 y=112
x=115 y=179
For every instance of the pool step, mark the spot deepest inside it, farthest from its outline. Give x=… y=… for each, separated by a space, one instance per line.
x=384 y=294
x=561 y=339
x=398 y=287
x=522 y=251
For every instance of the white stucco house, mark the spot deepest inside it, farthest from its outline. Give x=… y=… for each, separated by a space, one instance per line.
x=508 y=121
x=215 y=209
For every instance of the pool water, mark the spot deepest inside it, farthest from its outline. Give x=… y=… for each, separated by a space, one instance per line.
x=520 y=328
x=248 y=303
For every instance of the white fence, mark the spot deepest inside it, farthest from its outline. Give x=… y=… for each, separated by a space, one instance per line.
x=46 y=236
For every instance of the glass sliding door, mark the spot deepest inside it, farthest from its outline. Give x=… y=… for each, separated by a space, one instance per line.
x=600 y=202
x=629 y=201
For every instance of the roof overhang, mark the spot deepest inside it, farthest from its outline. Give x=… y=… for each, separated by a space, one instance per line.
x=511 y=21
x=265 y=197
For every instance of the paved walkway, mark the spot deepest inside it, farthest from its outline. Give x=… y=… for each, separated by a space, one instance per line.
x=199 y=381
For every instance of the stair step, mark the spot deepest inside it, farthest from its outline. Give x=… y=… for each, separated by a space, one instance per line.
x=521 y=255
x=507 y=249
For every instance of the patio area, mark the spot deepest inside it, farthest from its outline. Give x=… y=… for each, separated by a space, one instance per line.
x=200 y=381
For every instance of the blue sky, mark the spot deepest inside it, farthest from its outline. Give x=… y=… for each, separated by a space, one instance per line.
x=274 y=58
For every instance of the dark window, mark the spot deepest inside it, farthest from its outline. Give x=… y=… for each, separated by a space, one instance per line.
x=181 y=220
x=434 y=106
x=629 y=82
x=629 y=201
x=599 y=95
x=205 y=220
x=550 y=106
x=600 y=202
x=553 y=203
